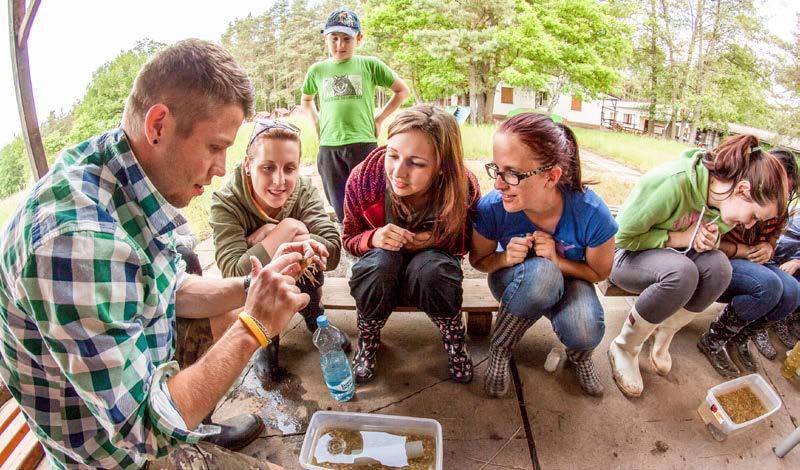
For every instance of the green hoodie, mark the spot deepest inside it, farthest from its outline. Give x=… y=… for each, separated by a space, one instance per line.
x=234 y=215
x=667 y=198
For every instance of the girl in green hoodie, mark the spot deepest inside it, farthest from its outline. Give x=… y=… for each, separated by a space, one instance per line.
x=668 y=238
x=266 y=203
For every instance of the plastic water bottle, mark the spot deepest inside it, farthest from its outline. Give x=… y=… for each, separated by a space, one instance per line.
x=335 y=366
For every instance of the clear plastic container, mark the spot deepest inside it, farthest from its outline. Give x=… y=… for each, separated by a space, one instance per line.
x=324 y=421
x=717 y=421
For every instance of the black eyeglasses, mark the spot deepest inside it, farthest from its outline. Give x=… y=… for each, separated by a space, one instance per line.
x=513 y=178
x=266 y=125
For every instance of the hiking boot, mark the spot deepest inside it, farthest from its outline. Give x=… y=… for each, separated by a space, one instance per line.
x=782 y=332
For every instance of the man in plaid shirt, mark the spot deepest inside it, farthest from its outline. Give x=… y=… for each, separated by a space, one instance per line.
x=94 y=298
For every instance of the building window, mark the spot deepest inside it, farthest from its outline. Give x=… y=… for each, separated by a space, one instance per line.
x=507 y=95
x=576 y=103
x=627 y=118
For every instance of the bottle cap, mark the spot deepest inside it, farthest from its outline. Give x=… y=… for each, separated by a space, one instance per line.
x=322 y=321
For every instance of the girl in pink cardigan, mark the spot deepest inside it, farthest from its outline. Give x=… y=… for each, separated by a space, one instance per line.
x=407 y=215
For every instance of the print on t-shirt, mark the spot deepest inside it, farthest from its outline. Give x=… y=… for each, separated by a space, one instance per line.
x=342 y=87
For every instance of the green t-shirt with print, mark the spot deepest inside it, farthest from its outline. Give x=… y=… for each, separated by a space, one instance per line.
x=347 y=97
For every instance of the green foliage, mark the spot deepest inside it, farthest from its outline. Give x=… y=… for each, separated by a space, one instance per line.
x=15 y=170
x=102 y=105
x=579 y=42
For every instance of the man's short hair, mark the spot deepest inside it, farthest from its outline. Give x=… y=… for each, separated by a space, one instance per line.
x=193 y=78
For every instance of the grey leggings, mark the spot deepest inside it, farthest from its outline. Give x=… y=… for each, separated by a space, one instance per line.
x=668 y=281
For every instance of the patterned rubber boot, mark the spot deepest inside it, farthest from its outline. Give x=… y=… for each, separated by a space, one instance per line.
x=741 y=343
x=761 y=339
x=794 y=324
x=453 y=338
x=369 y=340
x=713 y=342
x=781 y=330
x=508 y=330
x=588 y=378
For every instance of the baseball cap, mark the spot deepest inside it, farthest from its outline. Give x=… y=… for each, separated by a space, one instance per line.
x=343 y=21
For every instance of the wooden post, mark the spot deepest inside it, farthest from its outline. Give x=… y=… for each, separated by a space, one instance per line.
x=20 y=21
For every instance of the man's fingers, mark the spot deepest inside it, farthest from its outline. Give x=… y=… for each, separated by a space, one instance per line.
x=283 y=261
x=255 y=266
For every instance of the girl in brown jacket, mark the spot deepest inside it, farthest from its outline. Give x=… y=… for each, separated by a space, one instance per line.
x=266 y=203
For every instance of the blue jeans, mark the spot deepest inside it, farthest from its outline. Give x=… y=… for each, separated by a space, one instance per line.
x=761 y=291
x=536 y=288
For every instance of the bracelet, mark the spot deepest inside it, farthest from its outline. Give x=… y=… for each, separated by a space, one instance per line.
x=256 y=328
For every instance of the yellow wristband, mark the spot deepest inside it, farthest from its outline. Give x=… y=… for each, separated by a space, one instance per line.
x=256 y=328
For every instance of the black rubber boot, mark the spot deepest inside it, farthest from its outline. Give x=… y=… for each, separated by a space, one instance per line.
x=236 y=432
x=266 y=363
x=794 y=324
x=741 y=343
x=713 y=342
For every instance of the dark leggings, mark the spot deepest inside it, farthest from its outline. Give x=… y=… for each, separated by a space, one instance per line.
x=429 y=279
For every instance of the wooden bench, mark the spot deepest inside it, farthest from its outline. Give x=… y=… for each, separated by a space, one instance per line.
x=478 y=302
x=19 y=447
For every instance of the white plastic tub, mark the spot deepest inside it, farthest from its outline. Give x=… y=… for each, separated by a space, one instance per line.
x=322 y=421
x=717 y=420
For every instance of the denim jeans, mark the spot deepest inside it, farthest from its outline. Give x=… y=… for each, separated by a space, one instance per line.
x=429 y=280
x=536 y=288
x=761 y=291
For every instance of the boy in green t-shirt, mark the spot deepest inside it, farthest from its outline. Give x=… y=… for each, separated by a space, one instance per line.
x=347 y=124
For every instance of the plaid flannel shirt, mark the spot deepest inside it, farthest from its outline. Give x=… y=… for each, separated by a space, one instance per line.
x=87 y=310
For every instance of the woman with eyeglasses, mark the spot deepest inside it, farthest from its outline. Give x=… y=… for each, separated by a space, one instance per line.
x=544 y=239
x=761 y=292
x=265 y=203
x=407 y=215
x=667 y=247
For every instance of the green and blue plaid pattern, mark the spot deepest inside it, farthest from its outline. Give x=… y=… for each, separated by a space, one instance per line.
x=87 y=308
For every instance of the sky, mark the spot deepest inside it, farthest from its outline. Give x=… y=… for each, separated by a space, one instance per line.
x=70 y=39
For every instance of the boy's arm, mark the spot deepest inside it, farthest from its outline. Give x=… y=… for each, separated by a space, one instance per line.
x=310 y=110
x=401 y=92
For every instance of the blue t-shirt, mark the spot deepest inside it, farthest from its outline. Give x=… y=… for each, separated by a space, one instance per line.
x=585 y=222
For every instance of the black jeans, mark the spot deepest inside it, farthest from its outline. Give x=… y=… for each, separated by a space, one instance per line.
x=334 y=165
x=429 y=280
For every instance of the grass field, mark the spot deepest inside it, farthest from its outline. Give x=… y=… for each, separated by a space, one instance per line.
x=8 y=205
x=635 y=151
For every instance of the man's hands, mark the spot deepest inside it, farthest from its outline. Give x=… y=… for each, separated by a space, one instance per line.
x=273 y=297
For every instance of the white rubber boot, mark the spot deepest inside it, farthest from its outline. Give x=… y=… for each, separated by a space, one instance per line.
x=624 y=353
x=662 y=337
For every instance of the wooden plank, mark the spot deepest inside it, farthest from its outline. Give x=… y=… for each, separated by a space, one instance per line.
x=608 y=289
x=12 y=436
x=23 y=88
x=8 y=412
x=27 y=454
x=477 y=297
